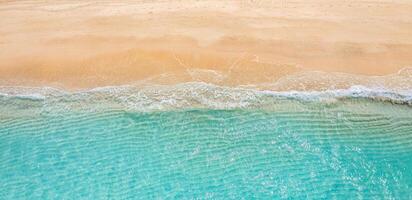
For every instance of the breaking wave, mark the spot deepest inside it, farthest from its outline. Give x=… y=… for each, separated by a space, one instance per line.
x=149 y=96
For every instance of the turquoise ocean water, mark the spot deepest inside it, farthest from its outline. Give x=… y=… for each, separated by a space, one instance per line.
x=204 y=142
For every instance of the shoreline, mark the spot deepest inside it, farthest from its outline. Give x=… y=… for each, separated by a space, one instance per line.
x=192 y=95
x=300 y=81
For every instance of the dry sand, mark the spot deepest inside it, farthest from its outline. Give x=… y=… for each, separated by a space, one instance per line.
x=83 y=44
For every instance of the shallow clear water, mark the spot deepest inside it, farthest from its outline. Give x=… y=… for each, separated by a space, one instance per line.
x=286 y=149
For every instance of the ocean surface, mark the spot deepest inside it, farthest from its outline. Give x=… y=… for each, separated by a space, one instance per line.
x=201 y=141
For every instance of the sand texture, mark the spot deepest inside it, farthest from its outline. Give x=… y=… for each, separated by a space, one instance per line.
x=85 y=44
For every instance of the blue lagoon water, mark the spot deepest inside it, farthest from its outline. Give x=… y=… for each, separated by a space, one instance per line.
x=203 y=143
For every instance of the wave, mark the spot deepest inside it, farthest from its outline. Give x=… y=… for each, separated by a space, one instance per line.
x=188 y=95
x=149 y=96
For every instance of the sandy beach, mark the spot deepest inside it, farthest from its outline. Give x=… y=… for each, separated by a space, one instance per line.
x=205 y=99
x=86 y=44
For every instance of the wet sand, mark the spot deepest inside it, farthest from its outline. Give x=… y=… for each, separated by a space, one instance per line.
x=85 y=44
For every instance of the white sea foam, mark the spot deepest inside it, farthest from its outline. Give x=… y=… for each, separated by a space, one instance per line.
x=143 y=96
x=357 y=91
x=192 y=95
